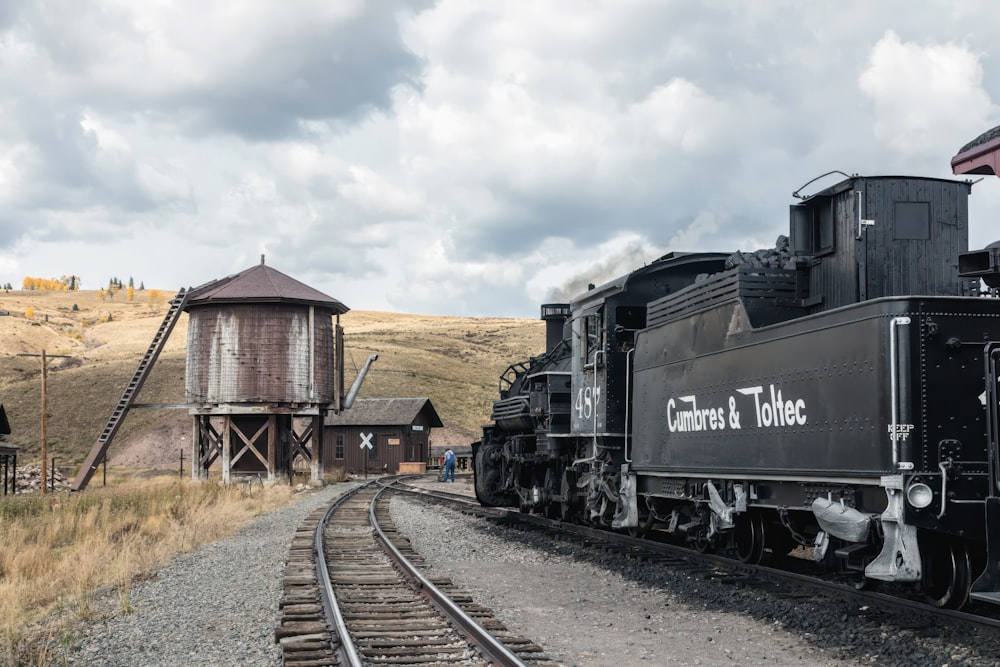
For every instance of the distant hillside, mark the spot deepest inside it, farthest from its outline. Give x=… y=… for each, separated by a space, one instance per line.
x=455 y=361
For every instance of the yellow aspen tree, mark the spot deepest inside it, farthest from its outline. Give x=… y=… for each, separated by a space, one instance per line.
x=130 y=293
x=45 y=284
x=155 y=298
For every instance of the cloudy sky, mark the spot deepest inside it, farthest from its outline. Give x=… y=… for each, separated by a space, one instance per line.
x=460 y=157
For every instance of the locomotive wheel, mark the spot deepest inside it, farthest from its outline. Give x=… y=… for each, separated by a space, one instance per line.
x=947 y=573
x=703 y=543
x=567 y=489
x=645 y=525
x=749 y=535
x=552 y=509
x=486 y=482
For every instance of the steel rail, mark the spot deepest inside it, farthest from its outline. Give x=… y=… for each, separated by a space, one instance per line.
x=346 y=651
x=490 y=647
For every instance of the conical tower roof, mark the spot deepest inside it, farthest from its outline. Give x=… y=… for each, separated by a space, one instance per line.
x=261 y=283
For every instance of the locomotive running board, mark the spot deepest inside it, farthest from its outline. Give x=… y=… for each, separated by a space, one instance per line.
x=987 y=587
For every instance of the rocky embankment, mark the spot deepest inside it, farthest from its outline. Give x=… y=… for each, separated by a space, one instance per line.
x=28 y=479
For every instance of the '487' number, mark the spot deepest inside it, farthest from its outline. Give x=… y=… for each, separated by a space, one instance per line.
x=587 y=399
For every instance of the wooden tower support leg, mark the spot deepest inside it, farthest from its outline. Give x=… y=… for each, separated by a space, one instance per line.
x=197 y=449
x=208 y=447
x=227 y=441
x=286 y=446
x=316 y=465
x=272 y=442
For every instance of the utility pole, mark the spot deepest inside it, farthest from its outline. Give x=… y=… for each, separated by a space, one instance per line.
x=45 y=453
x=45 y=408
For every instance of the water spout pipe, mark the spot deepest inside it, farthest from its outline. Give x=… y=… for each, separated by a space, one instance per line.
x=352 y=393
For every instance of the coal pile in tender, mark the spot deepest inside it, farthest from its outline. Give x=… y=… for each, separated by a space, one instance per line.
x=778 y=257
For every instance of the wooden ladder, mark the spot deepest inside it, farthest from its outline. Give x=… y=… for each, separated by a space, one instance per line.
x=100 y=448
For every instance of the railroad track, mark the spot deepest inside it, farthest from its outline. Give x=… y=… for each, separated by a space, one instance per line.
x=353 y=595
x=783 y=576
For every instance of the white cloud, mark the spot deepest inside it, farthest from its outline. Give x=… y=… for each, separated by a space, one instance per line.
x=459 y=156
x=682 y=116
x=923 y=91
x=157 y=49
x=12 y=159
x=372 y=194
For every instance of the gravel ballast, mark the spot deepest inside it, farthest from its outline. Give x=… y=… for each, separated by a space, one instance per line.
x=590 y=609
x=217 y=605
x=583 y=614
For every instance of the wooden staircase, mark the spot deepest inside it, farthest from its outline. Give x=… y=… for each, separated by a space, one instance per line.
x=100 y=448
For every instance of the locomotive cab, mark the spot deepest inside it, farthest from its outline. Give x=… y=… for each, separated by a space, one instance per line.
x=874 y=236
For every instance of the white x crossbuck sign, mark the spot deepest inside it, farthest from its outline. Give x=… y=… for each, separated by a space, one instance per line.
x=366 y=440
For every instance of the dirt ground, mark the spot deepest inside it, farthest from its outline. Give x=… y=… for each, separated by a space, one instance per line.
x=157 y=448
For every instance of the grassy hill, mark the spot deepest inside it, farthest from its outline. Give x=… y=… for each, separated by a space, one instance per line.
x=454 y=361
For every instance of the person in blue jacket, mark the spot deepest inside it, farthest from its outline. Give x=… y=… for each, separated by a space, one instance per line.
x=449 y=466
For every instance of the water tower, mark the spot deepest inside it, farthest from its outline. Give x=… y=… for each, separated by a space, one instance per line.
x=264 y=366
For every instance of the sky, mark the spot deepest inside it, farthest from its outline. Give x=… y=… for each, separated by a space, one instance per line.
x=461 y=157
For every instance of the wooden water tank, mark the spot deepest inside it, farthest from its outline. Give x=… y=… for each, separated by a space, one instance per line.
x=261 y=337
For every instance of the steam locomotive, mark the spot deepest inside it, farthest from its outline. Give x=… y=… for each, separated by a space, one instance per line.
x=838 y=392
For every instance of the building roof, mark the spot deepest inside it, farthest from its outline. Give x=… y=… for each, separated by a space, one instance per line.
x=979 y=156
x=261 y=283
x=386 y=412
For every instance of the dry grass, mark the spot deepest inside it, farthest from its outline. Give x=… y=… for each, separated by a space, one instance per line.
x=57 y=551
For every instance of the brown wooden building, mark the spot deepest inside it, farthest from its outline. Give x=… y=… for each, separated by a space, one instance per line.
x=378 y=434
